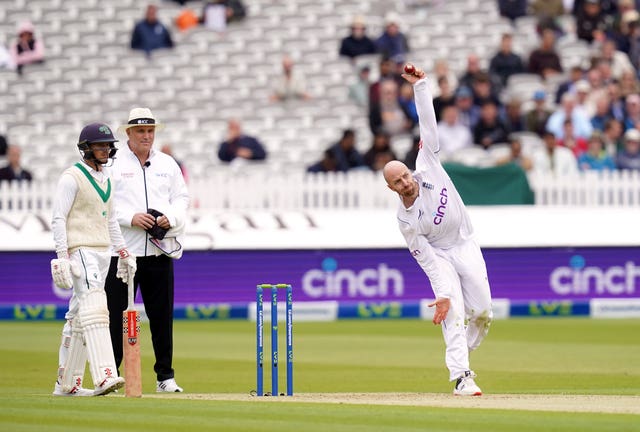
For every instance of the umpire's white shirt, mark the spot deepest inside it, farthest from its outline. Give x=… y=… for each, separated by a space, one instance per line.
x=158 y=185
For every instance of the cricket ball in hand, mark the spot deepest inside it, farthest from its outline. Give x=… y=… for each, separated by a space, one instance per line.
x=409 y=69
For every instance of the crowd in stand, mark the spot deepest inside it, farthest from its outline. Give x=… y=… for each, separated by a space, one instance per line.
x=591 y=121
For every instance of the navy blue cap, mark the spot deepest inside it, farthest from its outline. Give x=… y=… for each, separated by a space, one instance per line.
x=95 y=133
x=464 y=92
x=539 y=95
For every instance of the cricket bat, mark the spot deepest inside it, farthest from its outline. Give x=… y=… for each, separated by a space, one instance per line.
x=131 y=346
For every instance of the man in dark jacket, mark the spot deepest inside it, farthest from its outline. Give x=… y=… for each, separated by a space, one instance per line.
x=238 y=145
x=357 y=43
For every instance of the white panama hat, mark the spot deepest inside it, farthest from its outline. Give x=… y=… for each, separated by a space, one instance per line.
x=141 y=117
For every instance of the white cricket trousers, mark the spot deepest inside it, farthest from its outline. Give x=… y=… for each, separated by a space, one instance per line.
x=470 y=314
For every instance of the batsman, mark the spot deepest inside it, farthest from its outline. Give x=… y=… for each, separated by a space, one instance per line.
x=438 y=232
x=84 y=228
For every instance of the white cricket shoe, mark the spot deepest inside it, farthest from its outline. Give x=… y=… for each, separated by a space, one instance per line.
x=109 y=385
x=76 y=391
x=466 y=386
x=168 y=386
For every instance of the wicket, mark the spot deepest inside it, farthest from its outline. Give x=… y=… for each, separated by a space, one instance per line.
x=274 y=338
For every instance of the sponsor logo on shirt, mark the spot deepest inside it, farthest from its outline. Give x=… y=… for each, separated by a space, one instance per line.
x=439 y=214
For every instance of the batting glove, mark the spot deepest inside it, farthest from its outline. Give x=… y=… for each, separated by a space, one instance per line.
x=61 y=273
x=126 y=265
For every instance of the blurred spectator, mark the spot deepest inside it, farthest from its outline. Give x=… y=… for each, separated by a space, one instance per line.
x=623 y=7
x=634 y=43
x=513 y=118
x=616 y=103
x=544 y=60
x=239 y=145
x=380 y=152
x=441 y=69
x=291 y=84
x=547 y=8
x=596 y=158
x=629 y=157
x=186 y=19
x=604 y=70
x=619 y=28
x=445 y=98
x=576 y=144
x=387 y=71
x=568 y=111
x=236 y=10
x=472 y=70
x=328 y=163
x=623 y=33
x=166 y=149
x=3 y=145
x=452 y=134
x=590 y=20
x=617 y=60
x=588 y=94
x=345 y=153
x=357 y=43
x=629 y=84
x=536 y=119
x=26 y=49
x=515 y=155
x=13 y=170
x=612 y=137
x=468 y=113
x=583 y=90
x=407 y=102
x=484 y=90
x=412 y=153
x=602 y=114
x=552 y=159
x=575 y=74
x=505 y=62
x=388 y=115
x=512 y=9
x=6 y=60
x=216 y=14
x=150 y=34
x=359 y=90
x=392 y=43
x=608 y=7
x=490 y=129
x=632 y=112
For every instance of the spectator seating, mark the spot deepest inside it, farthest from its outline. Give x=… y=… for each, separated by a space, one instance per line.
x=90 y=74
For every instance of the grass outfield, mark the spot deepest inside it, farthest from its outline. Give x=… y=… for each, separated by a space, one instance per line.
x=374 y=363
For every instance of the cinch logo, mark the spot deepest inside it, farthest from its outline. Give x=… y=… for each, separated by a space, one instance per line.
x=439 y=214
x=332 y=282
x=577 y=278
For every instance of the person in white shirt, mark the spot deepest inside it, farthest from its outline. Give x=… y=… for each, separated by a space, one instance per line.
x=435 y=224
x=151 y=201
x=452 y=134
x=553 y=159
x=84 y=227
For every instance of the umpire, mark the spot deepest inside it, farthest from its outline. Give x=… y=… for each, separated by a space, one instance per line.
x=151 y=201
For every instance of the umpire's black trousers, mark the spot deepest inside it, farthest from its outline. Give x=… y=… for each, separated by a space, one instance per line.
x=154 y=277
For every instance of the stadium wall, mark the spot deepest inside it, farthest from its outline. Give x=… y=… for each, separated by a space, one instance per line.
x=542 y=261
